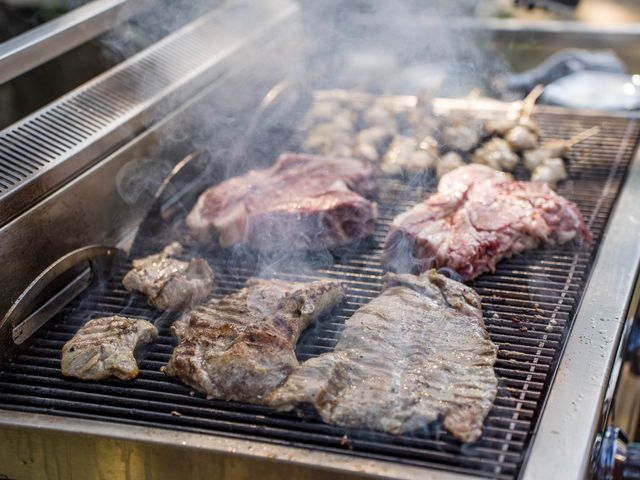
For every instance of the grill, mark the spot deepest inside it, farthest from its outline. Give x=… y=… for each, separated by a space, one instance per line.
x=529 y=306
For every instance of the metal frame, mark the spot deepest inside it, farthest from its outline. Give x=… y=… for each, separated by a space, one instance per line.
x=43 y=43
x=577 y=402
x=199 y=454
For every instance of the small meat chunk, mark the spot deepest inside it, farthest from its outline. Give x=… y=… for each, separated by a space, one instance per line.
x=460 y=136
x=521 y=138
x=448 y=162
x=551 y=171
x=169 y=283
x=103 y=347
x=405 y=154
x=497 y=154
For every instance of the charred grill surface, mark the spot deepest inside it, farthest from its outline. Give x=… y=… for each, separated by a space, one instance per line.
x=528 y=306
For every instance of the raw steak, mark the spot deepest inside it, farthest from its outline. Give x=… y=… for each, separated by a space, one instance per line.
x=477 y=217
x=302 y=201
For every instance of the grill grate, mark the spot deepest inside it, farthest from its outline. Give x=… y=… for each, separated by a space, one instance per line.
x=529 y=304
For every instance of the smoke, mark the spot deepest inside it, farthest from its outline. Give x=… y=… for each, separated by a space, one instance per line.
x=255 y=113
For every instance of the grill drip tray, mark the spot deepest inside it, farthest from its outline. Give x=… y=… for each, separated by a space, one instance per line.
x=528 y=304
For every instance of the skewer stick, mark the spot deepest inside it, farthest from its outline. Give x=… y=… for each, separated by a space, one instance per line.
x=529 y=102
x=582 y=136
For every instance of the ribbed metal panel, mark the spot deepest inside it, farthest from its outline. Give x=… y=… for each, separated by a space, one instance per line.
x=53 y=144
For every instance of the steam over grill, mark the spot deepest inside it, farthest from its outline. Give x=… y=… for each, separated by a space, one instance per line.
x=529 y=305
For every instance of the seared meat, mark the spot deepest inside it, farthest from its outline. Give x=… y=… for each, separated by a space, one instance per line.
x=448 y=162
x=521 y=138
x=405 y=154
x=497 y=154
x=303 y=201
x=416 y=353
x=168 y=283
x=551 y=171
x=242 y=346
x=104 y=346
x=477 y=217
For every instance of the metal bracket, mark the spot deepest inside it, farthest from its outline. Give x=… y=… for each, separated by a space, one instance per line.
x=24 y=318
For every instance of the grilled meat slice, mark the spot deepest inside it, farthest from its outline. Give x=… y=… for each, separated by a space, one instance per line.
x=241 y=347
x=302 y=201
x=104 y=346
x=477 y=217
x=497 y=154
x=168 y=283
x=416 y=353
x=405 y=154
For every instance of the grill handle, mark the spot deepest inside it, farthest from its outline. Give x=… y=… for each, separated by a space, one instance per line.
x=25 y=317
x=616 y=458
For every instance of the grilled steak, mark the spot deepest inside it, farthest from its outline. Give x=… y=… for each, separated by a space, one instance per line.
x=168 y=283
x=242 y=346
x=416 y=353
x=104 y=346
x=477 y=217
x=302 y=201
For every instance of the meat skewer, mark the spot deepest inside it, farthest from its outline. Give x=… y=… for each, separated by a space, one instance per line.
x=525 y=134
x=241 y=347
x=501 y=126
x=551 y=171
x=546 y=163
x=555 y=148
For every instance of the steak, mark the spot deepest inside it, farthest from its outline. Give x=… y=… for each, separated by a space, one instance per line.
x=242 y=346
x=104 y=346
x=477 y=217
x=417 y=353
x=169 y=283
x=302 y=201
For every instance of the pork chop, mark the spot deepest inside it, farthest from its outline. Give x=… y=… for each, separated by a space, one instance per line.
x=301 y=202
x=169 y=283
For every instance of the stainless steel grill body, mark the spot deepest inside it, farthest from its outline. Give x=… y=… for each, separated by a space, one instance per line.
x=529 y=305
x=558 y=313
